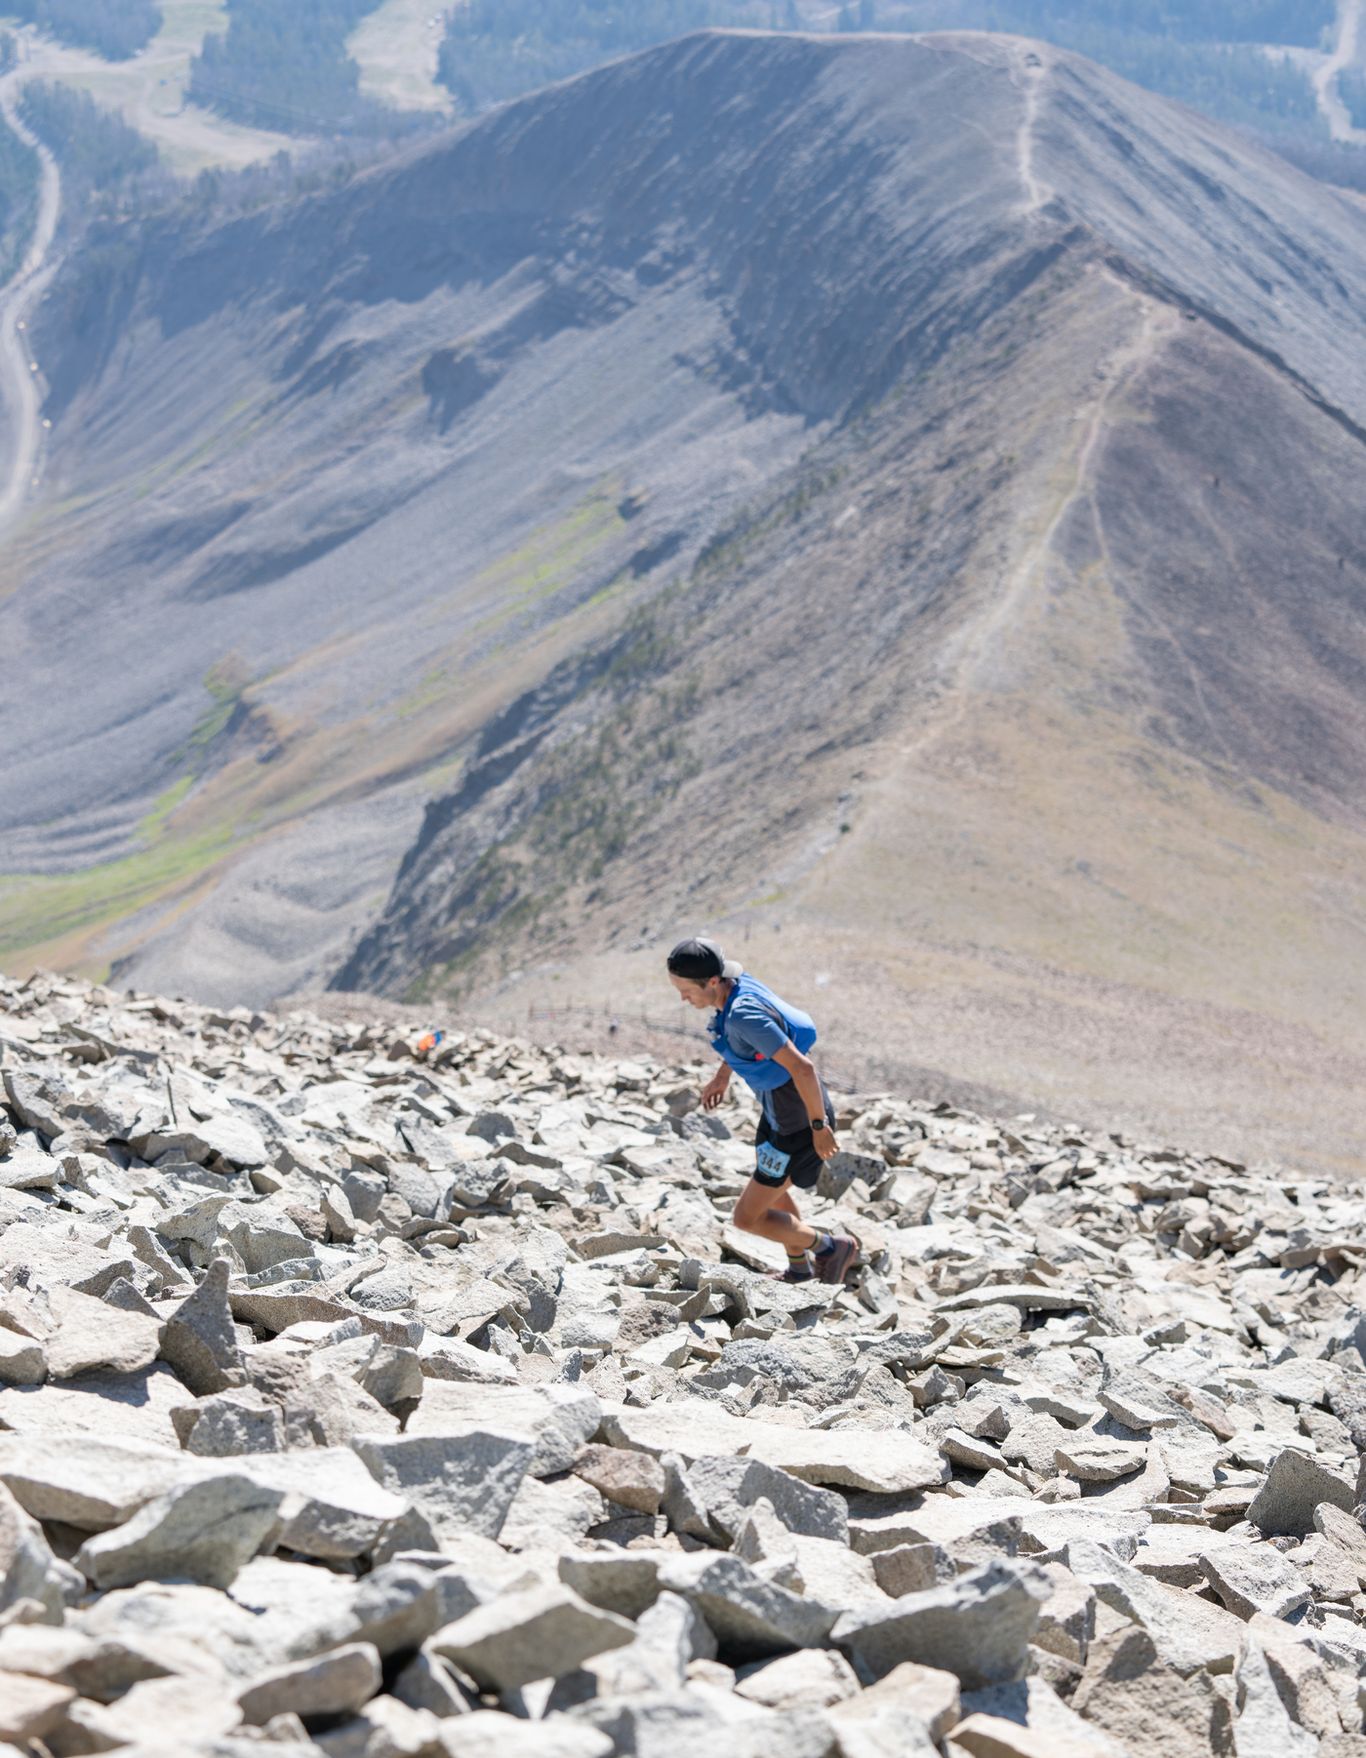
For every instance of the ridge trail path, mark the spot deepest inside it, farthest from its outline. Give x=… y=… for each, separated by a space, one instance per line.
x=18 y=380
x=1344 y=55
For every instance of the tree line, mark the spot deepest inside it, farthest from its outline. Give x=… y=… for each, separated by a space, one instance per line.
x=117 y=29
x=18 y=199
x=497 y=49
x=1207 y=53
x=282 y=65
x=102 y=159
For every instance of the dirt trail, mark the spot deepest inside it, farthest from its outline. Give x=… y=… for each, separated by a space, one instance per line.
x=1344 y=55
x=1033 y=75
x=19 y=378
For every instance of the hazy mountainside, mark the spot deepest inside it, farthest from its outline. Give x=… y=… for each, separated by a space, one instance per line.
x=818 y=485
x=1088 y=706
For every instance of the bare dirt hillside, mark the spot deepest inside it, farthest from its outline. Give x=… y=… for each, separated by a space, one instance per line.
x=893 y=500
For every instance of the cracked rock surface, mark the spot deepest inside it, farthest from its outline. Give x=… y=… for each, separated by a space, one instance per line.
x=360 y=1401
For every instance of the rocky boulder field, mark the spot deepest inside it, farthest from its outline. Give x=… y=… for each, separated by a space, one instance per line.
x=382 y=1403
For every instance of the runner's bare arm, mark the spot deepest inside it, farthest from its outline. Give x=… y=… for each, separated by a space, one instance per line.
x=804 y=1078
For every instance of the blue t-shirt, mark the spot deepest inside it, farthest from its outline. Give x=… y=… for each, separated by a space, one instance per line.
x=752 y=1030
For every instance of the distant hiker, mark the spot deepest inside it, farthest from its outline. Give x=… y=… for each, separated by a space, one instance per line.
x=765 y=1042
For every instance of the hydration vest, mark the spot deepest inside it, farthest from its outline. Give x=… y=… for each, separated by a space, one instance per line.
x=760 y=1073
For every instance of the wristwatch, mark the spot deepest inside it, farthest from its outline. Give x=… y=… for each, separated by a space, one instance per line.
x=819 y=1123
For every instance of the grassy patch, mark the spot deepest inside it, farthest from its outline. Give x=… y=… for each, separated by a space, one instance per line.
x=153 y=826
x=46 y=907
x=553 y=556
x=551 y=559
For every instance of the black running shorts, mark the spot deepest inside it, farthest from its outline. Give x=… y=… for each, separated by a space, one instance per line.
x=803 y=1163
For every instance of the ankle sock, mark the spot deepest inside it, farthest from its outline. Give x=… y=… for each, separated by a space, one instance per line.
x=824 y=1245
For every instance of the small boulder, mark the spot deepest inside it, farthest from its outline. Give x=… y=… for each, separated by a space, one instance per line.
x=203 y=1531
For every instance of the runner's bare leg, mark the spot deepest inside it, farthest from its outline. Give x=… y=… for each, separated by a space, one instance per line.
x=773 y=1214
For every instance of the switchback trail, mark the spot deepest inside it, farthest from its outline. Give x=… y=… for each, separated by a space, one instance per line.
x=19 y=396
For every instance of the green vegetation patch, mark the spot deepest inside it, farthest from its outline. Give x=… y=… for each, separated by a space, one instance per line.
x=553 y=556
x=552 y=559
x=37 y=909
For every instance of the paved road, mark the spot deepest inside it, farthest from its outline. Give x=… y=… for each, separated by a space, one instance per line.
x=20 y=387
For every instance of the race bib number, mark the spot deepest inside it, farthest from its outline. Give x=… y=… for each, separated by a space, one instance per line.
x=772 y=1163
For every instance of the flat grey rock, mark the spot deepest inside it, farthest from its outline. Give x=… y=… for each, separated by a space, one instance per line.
x=88 y=1334
x=201 y=1531
x=539 y=1634
x=462 y=1480
x=977 y=1627
x=1295 y=1485
x=560 y=1419
x=340 y=1681
x=86 y=1482
x=853 y=1458
x=750 y=1617
x=1255 y=1578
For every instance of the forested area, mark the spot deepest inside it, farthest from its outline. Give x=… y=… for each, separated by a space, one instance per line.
x=1233 y=83
x=1352 y=90
x=1297 y=22
x=116 y=28
x=99 y=154
x=18 y=199
x=283 y=65
x=1207 y=53
x=495 y=49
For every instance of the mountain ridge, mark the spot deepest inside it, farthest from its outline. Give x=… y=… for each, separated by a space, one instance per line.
x=930 y=373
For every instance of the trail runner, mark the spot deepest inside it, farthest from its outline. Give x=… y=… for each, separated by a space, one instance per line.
x=764 y=1040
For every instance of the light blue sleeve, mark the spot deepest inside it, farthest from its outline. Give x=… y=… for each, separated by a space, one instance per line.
x=753 y=1031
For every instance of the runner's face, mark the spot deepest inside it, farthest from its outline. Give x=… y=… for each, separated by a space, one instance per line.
x=700 y=995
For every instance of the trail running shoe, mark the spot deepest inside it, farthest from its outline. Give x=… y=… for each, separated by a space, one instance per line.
x=798 y=1270
x=834 y=1265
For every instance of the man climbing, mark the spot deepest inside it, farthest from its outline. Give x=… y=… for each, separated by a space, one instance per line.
x=765 y=1042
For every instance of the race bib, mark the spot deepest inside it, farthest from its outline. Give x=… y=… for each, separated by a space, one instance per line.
x=772 y=1163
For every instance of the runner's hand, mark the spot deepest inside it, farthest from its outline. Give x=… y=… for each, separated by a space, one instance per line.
x=714 y=1091
x=823 y=1140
